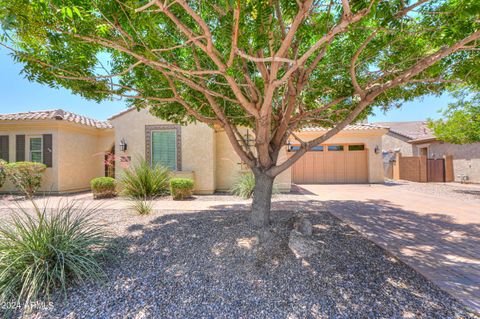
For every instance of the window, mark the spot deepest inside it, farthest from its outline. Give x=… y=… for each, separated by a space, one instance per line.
x=36 y=153
x=294 y=148
x=335 y=148
x=164 y=148
x=356 y=147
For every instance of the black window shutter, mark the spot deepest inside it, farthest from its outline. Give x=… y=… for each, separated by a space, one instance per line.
x=20 y=148
x=4 y=148
x=47 y=150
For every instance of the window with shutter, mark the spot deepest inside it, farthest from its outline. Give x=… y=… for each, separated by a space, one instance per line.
x=164 y=148
x=36 y=149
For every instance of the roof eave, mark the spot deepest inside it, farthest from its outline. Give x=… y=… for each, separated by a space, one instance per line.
x=422 y=140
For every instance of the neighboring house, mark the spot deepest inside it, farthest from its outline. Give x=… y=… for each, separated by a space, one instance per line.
x=74 y=147
x=416 y=139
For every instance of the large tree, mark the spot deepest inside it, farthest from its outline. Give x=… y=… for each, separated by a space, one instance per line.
x=273 y=66
x=460 y=123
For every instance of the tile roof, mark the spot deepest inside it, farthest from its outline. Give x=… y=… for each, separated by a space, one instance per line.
x=59 y=115
x=352 y=127
x=414 y=130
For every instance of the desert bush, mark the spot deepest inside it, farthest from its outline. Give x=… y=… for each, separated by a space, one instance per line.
x=244 y=185
x=103 y=187
x=45 y=252
x=26 y=176
x=3 y=173
x=181 y=188
x=141 y=180
x=142 y=206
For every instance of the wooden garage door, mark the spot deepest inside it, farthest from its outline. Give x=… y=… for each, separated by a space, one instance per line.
x=335 y=164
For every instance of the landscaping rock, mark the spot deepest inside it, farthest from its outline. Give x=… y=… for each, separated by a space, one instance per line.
x=303 y=226
x=204 y=265
x=302 y=246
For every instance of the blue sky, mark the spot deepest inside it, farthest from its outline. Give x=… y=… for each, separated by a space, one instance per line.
x=20 y=95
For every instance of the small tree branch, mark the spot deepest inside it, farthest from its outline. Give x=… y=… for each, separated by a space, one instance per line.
x=236 y=24
x=353 y=64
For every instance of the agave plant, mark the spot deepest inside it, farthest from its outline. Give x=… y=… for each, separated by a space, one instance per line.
x=47 y=251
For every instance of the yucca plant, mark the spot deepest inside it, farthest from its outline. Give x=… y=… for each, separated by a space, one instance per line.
x=46 y=251
x=142 y=206
x=141 y=180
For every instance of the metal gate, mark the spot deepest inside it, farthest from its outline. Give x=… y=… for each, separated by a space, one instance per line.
x=435 y=170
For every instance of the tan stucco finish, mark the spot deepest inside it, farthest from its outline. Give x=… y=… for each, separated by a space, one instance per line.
x=230 y=167
x=197 y=143
x=77 y=152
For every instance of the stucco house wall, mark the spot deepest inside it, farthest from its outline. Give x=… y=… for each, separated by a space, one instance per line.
x=392 y=142
x=77 y=153
x=197 y=145
x=81 y=156
x=230 y=167
x=370 y=138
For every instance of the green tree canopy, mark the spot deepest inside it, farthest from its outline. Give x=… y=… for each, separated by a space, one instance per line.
x=460 y=123
x=274 y=66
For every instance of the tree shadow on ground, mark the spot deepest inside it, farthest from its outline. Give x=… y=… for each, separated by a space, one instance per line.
x=206 y=264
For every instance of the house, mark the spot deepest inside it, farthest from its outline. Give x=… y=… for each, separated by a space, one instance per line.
x=71 y=146
x=74 y=148
x=416 y=139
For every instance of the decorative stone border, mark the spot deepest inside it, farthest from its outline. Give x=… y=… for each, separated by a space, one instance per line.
x=148 y=141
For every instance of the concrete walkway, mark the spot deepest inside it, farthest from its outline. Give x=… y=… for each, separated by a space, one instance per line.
x=293 y=201
x=437 y=236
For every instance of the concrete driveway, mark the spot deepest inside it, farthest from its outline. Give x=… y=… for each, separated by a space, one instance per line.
x=439 y=236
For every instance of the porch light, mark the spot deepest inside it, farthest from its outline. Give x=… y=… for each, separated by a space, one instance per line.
x=377 y=149
x=123 y=145
x=289 y=146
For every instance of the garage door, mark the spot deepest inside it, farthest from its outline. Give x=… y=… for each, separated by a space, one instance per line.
x=332 y=164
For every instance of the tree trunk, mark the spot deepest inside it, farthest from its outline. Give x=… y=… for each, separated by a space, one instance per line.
x=262 y=198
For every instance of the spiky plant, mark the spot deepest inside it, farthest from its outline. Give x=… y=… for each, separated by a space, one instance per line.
x=142 y=206
x=244 y=186
x=46 y=251
x=141 y=180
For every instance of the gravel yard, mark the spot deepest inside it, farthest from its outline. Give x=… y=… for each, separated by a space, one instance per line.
x=449 y=190
x=207 y=265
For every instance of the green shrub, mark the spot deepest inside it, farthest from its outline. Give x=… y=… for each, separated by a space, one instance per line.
x=103 y=187
x=26 y=176
x=141 y=180
x=244 y=185
x=142 y=206
x=3 y=173
x=181 y=188
x=44 y=253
